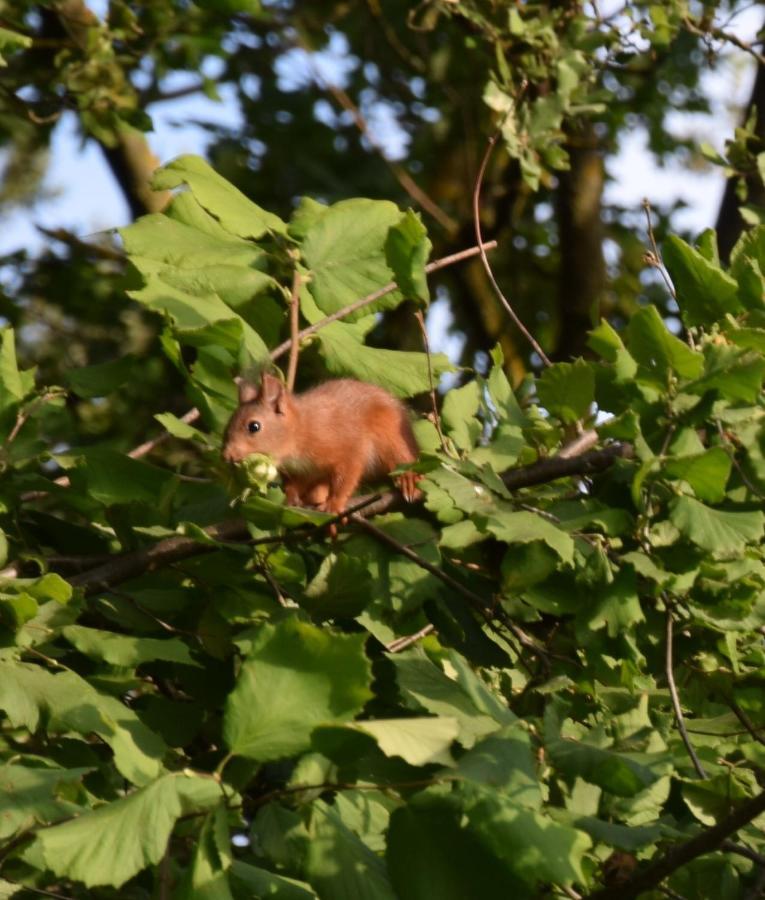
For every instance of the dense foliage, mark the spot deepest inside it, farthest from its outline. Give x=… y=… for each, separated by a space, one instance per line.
x=205 y=696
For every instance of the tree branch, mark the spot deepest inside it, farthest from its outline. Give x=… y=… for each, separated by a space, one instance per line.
x=163 y=553
x=565 y=466
x=434 y=405
x=178 y=547
x=709 y=840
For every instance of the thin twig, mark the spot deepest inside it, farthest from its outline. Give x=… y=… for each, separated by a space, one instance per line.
x=679 y=718
x=294 y=328
x=736 y=464
x=433 y=401
x=653 y=257
x=403 y=642
x=36 y=890
x=280 y=598
x=740 y=850
x=712 y=31
x=142 y=449
x=745 y=721
x=381 y=292
x=580 y=444
x=484 y=259
x=478 y=603
x=23 y=415
x=68 y=237
x=668 y=892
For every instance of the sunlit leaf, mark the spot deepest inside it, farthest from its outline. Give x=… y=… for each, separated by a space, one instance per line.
x=295 y=677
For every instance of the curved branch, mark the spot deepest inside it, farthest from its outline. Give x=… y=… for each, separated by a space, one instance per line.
x=679 y=718
x=484 y=259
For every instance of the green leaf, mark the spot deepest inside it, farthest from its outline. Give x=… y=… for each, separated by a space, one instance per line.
x=11 y=41
x=614 y=772
x=114 y=842
x=707 y=473
x=72 y=704
x=403 y=373
x=102 y=379
x=307 y=214
x=425 y=686
x=161 y=244
x=504 y=761
x=617 y=606
x=735 y=374
x=418 y=741
x=532 y=845
x=192 y=313
x=658 y=351
x=180 y=429
x=706 y=244
x=208 y=875
x=720 y=532
x=567 y=390
x=523 y=527
x=339 y=865
x=619 y=836
x=432 y=854
x=341 y=588
x=235 y=212
x=407 y=249
x=705 y=294
x=459 y=414
x=31 y=796
x=525 y=565
x=14 y=385
x=113 y=478
x=345 y=249
x=126 y=650
x=261 y=883
x=50 y=587
x=606 y=342
x=295 y=677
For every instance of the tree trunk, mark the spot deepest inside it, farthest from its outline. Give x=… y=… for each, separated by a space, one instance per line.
x=729 y=221
x=130 y=159
x=582 y=275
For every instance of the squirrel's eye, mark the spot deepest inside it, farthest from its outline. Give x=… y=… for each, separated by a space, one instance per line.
x=253 y=426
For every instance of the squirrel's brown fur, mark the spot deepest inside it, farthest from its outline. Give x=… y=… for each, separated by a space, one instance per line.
x=325 y=441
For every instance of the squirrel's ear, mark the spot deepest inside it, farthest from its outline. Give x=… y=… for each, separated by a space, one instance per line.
x=248 y=393
x=273 y=392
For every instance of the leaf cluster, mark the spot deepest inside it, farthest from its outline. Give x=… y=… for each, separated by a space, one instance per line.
x=467 y=697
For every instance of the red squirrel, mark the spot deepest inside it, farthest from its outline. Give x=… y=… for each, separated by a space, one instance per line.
x=325 y=441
